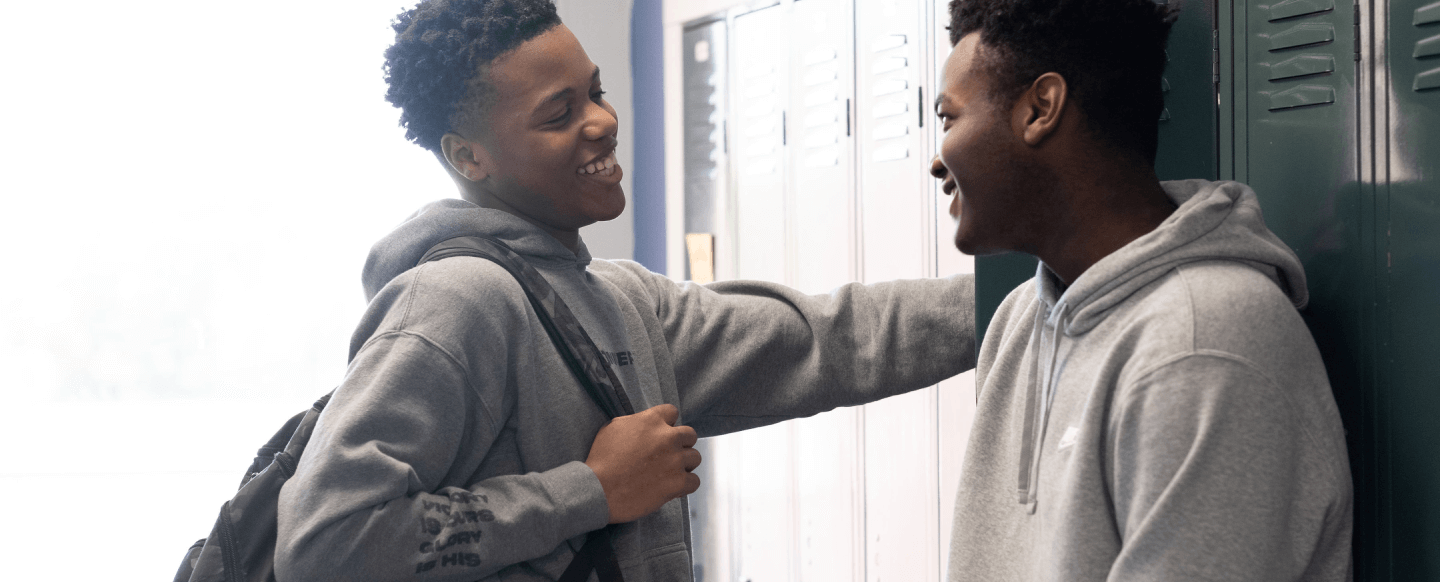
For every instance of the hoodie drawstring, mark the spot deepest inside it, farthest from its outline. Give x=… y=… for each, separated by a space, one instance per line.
x=1043 y=394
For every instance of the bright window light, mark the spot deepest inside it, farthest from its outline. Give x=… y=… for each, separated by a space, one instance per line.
x=190 y=190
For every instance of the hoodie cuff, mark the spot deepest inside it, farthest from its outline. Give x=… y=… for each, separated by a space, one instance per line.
x=575 y=488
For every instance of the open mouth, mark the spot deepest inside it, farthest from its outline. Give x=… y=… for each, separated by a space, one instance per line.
x=604 y=166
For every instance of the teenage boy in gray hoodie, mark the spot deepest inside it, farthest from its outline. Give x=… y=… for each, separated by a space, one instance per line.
x=1151 y=405
x=459 y=446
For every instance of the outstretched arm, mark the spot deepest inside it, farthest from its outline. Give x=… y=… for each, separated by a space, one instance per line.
x=750 y=353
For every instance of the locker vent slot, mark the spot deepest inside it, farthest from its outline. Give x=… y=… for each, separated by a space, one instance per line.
x=891 y=153
x=760 y=130
x=759 y=150
x=883 y=110
x=821 y=97
x=1165 y=114
x=822 y=139
x=1428 y=47
x=761 y=109
x=1302 y=35
x=889 y=86
x=1164 y=85
x=1428 y=80
x=817 y=56
x=760 y=168
x=823 y=159
x=822 y=117
x=890 y=64
x=1301 y=66
x=1427 y=14
x=818 y=76
x=1293 y=8
x=758 y=91
x=1302 y=96
x=891 y=130
x=887 y=42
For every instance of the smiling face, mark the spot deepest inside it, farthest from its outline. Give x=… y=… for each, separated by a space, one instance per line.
x=548 y=152
x=984 y=162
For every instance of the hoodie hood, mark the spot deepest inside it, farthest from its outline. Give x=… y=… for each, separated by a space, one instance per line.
x=445 y=219
x=1213 y=221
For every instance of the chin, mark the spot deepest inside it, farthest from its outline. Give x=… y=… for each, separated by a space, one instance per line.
x=614 y=205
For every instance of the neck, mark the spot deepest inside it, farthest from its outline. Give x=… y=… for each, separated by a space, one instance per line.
x=1106 y=212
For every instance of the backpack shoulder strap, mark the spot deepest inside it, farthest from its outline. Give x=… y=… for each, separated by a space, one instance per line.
x=576 y=348
x=580 y=354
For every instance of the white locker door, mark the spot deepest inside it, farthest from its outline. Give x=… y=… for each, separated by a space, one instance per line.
x=828 y=513
x=759 y=100
x=900 y=439
x=760 y=462
x=821 y=145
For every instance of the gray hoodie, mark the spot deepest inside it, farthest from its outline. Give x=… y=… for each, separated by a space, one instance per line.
x=453 y=450
x=1166 y=417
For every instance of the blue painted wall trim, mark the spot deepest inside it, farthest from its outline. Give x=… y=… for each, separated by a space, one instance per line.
x=647 y=69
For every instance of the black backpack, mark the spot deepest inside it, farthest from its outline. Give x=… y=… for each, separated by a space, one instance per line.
x=241 y=546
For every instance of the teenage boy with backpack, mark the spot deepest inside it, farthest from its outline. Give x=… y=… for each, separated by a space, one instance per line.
x=460 y=446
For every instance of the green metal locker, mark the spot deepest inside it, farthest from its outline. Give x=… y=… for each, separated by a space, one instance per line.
x=1405 y=52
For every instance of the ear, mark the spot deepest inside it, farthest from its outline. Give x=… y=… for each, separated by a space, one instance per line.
x=467 y=157
x=1038 y=111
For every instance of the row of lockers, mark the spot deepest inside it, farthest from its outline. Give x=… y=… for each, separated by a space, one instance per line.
x=808 y=133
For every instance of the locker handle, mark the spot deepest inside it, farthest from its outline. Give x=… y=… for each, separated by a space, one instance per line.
x=920 y=106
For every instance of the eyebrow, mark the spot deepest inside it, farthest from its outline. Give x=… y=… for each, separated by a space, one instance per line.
x=567 y=92
x=938 y=99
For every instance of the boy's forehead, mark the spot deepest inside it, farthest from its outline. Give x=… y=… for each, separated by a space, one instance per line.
x=542 y=65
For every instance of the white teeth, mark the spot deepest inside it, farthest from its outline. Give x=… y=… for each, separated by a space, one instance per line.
x=604 y=167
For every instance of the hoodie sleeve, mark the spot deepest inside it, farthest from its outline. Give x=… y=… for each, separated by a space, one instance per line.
x=366 y=501
x=1209 y=476
x=749 y=353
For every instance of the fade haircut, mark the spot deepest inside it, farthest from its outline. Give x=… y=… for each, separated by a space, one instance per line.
x=438 y=69
x=1110 y=52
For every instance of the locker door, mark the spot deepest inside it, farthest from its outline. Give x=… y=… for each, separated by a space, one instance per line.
x=706 y=211
x=760 y=462
x=901 y=496
x=827 y=477
x=821 y=145
x=704 y=70
x=758 y=158
x=1295 y=138
x=1296 y=141
x=1412 y=259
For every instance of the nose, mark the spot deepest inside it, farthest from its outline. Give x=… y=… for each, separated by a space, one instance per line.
x=600 y=123
x=937 y=169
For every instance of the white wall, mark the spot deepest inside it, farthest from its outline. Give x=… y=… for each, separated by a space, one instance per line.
x=603 y=27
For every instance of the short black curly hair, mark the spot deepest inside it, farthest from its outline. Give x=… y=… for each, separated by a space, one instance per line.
x=1110 y=52
x=441 y=58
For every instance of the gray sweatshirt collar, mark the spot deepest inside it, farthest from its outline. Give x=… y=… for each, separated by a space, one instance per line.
x=452 y=217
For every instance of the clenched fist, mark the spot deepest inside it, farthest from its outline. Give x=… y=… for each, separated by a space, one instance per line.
x=643 y=460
